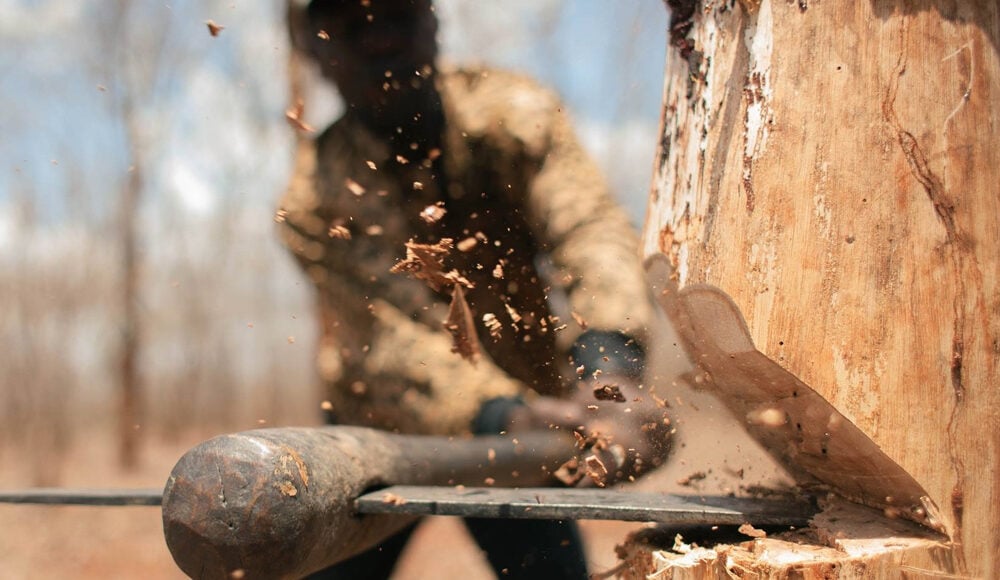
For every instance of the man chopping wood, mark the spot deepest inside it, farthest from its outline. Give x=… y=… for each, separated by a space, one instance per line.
x=473 y=272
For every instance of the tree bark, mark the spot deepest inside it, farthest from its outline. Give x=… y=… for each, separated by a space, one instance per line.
x=831 y=167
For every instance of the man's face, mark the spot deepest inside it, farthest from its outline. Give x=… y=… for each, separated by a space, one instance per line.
x=376 y=51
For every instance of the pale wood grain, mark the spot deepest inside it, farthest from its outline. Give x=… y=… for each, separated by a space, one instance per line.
x=831 y=166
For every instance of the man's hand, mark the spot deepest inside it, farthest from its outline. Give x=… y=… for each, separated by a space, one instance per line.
x=622 y=431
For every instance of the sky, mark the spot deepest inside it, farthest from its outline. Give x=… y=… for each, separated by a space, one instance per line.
x=212 y=119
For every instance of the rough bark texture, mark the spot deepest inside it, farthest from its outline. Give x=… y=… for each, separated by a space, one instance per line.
x=831 y=167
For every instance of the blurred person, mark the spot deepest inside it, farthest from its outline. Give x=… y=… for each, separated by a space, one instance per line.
x=477 y=176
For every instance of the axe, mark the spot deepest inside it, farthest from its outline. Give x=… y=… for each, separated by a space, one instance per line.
x=283 y=503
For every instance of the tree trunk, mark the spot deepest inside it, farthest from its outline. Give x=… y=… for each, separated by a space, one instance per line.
x=129 y=388
x=832 y=167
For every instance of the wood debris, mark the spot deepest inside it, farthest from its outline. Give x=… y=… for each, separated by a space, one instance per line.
x=579 y=320
x=213 y=28
x=295 y=117
x=426 y=262
x=467 y=244
x=339 y=232
x=393 y=499
x=514 y=315
x=596 y=470
x=287 y=488
x=680 y=546
x=748 y=530
x=323 y=35
x=461 y=327
x=371 y=165
x=493 y=325
x=609 y=393
x=433 y=213
x=691 y=478
x=354 y=187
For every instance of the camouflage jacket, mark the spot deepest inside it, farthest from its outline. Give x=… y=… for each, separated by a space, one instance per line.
x=546 y=249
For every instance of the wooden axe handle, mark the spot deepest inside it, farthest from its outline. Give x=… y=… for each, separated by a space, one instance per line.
x=279 y=503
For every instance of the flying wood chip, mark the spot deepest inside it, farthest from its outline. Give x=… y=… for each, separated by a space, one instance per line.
x=213 y=28
x=433 y=213
x=460 y=324
x=354 y=187
x=294 y=117
x=596 y=470
x=339 y=232
x=426 y=262
x=493 y=325
x=609 y=393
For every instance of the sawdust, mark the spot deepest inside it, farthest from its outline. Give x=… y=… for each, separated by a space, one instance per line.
x=749 y=530
x=393 y=499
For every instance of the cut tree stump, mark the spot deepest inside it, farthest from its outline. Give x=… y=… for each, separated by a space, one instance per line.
x=832 y=168
x=847 y=541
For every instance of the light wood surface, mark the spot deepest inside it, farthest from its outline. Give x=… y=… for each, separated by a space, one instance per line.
x=832 y=167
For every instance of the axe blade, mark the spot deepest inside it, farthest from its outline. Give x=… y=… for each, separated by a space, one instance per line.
x=584 y=504
x=491 y=502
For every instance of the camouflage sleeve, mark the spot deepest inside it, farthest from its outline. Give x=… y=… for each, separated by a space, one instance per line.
x=442 y=393
x=594 y=247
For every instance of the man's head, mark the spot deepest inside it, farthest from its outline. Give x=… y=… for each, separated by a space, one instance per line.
x=380 y=54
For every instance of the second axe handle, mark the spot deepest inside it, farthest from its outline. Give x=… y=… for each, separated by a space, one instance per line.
x=278 y=503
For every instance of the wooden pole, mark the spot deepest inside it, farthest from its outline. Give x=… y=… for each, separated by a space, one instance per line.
x=832 y=167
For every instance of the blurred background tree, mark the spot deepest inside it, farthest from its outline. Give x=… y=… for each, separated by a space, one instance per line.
x=143 y=289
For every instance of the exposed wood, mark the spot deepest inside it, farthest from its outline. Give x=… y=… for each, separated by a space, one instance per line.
x=856 y=543
x=831 y=167
x=809 y=437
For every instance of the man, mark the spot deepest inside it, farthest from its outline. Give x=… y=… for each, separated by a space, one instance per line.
x=509 y=233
